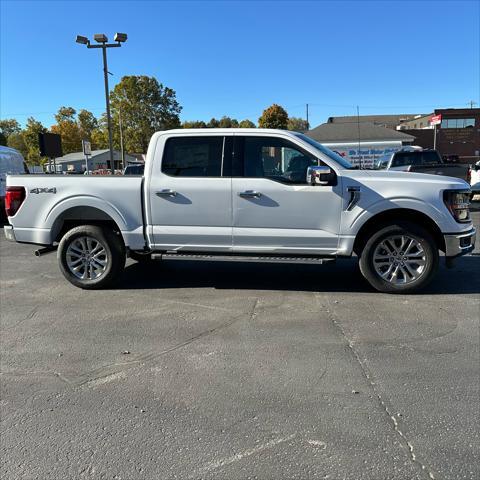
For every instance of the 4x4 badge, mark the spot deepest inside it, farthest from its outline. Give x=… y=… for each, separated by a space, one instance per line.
x=43 y=190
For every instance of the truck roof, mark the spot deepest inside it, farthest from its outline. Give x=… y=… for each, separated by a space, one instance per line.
x=227 y=130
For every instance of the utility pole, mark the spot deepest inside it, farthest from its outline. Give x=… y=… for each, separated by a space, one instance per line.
x=121 y=137
x=472 y=103
x=358 y=127
x=102 y=40
x=107 y=102
x=308 y=123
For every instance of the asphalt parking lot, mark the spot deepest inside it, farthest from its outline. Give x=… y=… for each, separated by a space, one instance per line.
x=235 y=371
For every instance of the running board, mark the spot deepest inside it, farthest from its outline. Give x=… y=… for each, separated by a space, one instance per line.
x=242 y=258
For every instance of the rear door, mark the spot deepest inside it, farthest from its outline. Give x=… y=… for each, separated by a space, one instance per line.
x=274 y=210
x=190 y=199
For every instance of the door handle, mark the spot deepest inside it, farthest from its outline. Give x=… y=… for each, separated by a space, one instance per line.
x=166 y=193
x=250 y=194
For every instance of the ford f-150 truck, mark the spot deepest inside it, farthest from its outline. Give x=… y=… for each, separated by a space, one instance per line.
x=419 y=160
x=244 y=195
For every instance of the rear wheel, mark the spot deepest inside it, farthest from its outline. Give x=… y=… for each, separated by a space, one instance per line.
x=399 y=258
x=91 y=257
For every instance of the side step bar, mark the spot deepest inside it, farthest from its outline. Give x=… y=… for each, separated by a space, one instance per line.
x=242 y=258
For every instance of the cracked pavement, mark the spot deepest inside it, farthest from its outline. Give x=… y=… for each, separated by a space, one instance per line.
x=215 y=370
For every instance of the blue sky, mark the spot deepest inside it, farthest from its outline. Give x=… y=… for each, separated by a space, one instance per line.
x=236 y=58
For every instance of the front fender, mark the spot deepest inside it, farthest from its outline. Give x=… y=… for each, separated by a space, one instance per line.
x=359 y=216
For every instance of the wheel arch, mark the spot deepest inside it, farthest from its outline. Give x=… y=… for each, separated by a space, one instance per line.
x=82 y=215
x=392 y=216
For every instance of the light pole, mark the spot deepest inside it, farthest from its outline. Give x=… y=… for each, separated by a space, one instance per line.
x=102 y=40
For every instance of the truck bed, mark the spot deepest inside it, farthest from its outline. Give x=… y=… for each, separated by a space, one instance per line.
x=47 y=196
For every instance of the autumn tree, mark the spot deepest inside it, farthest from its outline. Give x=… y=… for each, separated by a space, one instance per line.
x=274 y=117
x=87 y=124
x=145 y=106
x=67 y=127
x=246 y=124
x=297 y=124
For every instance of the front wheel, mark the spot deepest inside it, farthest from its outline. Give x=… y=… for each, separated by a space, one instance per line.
x=400 y=258
x=91 y=257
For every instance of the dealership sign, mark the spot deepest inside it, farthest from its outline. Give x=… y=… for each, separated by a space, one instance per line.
x=367 y=154
x=435 y=119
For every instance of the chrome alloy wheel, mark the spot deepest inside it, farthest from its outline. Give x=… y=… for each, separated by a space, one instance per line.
x=87 y=258
x=399 y=259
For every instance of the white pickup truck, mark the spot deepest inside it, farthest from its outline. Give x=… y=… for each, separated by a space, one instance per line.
x=244 y=195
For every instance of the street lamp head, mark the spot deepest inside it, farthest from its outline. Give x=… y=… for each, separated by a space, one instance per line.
x=82 y=40
x=100 y=38
x=120 y=37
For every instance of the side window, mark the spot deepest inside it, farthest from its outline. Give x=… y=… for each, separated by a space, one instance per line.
x=276 y=159
x=193 y=156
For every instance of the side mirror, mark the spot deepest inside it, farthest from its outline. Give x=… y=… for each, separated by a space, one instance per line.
x=318 y=175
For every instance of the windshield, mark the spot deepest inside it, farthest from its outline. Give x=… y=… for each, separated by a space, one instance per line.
x=382 y=162
x=326 y=151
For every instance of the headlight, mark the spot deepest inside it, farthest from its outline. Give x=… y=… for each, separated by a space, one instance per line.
x=458 y=203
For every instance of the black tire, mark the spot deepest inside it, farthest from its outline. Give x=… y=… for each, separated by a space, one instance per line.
x=141 y=257
x=412 y=284
x=113 y=255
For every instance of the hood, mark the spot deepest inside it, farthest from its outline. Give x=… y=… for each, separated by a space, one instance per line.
x=411 y=178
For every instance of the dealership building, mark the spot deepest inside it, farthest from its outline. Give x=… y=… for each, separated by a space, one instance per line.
x=99 y=159
x=361 y=142
x=458 y=134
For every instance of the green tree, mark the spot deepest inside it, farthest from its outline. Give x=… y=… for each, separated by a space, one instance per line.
x=194 y=124
x=30 y=136
x=146 y=106
x=16 y=141
x=246 y=124
x=3 y=139
x=8 y=126
x=99 y=139
x=297 y=124
x=213 y=123
x=274 y=117
x=227 y=122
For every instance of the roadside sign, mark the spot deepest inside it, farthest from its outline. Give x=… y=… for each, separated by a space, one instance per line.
x=87 y=148
x=435 y=119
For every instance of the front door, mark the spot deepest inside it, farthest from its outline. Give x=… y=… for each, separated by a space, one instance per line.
x=274 y=210
x=190 y=200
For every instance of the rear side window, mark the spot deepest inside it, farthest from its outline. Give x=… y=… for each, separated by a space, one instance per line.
x=193 y=157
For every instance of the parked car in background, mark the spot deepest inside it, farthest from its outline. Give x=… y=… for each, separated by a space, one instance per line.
x=11 y=163
x=419 y=160
x=256 y=195
x=475 y=179
x=134 y=169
